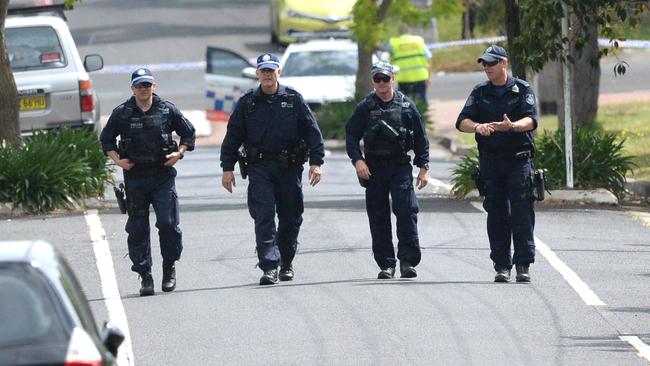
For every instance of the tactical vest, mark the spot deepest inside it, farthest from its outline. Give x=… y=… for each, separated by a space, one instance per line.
x=145 y=140
x=408 y=54
x=386 y=136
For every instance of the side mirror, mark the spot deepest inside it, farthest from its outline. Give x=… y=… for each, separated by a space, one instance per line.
x=93 y=63
x=112 y=337
x=249 y=73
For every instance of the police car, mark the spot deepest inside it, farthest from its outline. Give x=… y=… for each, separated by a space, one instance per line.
x=53 y=84
x=323 y=71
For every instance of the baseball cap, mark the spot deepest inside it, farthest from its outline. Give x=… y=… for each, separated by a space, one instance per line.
x=268 y=61
x=493 y=53
x=382 y=67
x=142 y=75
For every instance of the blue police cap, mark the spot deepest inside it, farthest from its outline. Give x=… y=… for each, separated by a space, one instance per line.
x=142 y=75
x=268 y=61
x=382 y=67
x=493 y=53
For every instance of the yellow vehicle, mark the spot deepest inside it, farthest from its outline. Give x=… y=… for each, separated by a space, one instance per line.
x=296 y=20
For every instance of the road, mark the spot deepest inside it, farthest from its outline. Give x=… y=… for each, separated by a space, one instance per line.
x=588 y=295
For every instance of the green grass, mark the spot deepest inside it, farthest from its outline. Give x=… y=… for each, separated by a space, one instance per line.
x=628 y=120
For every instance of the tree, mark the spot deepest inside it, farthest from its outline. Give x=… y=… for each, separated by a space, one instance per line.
x=9 y=108
x=376 y=21
x=542 y=42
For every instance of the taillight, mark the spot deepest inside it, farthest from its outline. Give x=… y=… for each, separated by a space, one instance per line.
x=82 y=350
x=86 y=95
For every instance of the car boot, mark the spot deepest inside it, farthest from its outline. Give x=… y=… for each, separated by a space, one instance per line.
x=503 y=275
x=270 y=277
x=522 y=273
x=146 y=288
x=286 y=272
x=386 y=273
x=169 y=276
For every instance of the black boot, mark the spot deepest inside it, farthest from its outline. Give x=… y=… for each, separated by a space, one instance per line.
x=169 y=276
x=407 y=270
x=147 y=283
x=522 y=273
x=270 y=277
x=386 y=273
x=503 y=275
x=286 y=273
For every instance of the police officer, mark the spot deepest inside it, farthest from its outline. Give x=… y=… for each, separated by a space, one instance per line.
x=390 y=126
x=279 y=133
x=147 y=154
x=411 y=55
x=501 y=113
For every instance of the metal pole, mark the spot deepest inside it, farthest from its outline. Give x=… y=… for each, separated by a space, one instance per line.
x=568 y=131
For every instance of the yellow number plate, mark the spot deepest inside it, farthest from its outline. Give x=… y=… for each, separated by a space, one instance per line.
x=32 y=103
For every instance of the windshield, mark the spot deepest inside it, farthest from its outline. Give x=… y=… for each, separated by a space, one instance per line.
x=321 y=63
x=34 y=48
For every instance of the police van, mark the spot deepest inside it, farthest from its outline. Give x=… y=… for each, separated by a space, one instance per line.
x=53 y=84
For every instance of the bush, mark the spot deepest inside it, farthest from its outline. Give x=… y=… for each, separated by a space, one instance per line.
x=53 y=170
x=598 y=162
x=332 y=118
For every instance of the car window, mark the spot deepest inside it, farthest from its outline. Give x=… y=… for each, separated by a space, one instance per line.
x=77 y=297
x=34 y=48
x=224 y=62
x=28 y=311
x=321 y=63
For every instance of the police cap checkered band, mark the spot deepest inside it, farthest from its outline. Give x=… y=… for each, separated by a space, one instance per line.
x=268 y=61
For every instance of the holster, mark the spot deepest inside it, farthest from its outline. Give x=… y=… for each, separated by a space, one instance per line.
x=119 y=194
x=242 y=159
x=539 y=185
x=478 y=181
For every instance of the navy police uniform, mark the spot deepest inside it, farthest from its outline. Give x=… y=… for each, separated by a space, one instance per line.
x=278 y=132
x=505 y=163
x=389 y=131
x=145 y=139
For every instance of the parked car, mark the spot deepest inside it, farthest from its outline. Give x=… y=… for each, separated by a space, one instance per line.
x=44 y=316
x=323 y=71
x=295 y=20
x=53 y=84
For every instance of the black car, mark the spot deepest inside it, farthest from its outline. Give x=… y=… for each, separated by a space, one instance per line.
x=44 y=316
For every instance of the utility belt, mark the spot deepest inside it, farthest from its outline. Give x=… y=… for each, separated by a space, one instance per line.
x=387 y=161
x=296 y=156
x=146 y=171
x=519 y=155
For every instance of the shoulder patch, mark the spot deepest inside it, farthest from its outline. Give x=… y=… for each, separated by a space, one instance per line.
x=530 y=99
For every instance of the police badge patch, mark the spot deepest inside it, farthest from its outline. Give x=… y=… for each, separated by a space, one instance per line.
x=470 y=101
x=530 y=99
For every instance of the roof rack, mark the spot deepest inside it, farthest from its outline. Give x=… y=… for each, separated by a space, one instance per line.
x=28 y=10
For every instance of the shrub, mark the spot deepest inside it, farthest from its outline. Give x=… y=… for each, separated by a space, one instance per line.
x=598 y=162
x=52 y=170
x=332 y=118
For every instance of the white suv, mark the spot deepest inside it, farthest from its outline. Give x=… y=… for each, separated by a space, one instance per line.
x=53 y=84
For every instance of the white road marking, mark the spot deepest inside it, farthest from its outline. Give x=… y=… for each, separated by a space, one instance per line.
x=110 y=291
x=578 y=285
x=642 y=348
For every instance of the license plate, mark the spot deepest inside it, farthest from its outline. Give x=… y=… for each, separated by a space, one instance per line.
x=32 y=103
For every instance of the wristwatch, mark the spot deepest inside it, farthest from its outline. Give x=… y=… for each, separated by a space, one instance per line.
x=182 y=155
x=424 y=166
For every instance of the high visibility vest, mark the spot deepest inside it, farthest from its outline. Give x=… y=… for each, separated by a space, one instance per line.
x=408 y=53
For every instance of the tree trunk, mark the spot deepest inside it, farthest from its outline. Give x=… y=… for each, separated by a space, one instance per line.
x=9 y=129
x=513 y=30
x=362 y=84
x=585 y=75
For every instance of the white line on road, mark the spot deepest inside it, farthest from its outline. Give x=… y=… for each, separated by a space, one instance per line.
x=637 y=343
x=110 y=291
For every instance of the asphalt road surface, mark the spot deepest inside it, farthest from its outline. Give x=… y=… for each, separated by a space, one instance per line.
x=588 y=303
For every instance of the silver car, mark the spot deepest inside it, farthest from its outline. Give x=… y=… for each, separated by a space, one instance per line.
x=53 y=83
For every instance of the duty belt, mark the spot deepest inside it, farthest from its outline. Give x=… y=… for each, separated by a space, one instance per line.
x=260 y=155
x=520 y=155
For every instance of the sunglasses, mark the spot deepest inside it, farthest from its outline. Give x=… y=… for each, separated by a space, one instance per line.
x=489 y=64
x=379 y=78
x=143 y=86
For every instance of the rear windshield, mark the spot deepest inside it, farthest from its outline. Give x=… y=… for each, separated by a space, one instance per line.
x=28 y=310
x=34 y=48
x=321 y=63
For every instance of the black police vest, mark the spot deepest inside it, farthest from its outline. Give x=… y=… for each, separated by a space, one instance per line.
x=386 y=136
x=145 y=141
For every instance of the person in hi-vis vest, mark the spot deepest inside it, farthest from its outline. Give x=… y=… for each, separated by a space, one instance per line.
x=411 y=55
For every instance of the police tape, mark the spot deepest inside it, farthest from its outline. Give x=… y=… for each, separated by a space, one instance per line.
x=128 y=68
x=602 y=42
